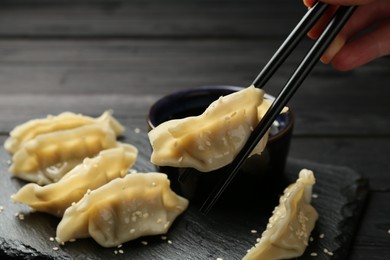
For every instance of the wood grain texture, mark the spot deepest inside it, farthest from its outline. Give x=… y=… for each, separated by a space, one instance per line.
x=87 y=56
x=170 y=18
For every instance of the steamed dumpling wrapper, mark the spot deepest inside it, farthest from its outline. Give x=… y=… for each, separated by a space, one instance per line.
x=289 y=227
x=55 y=198
x=64 y=121
x=211 y=140
x=124 y=209
x=48 y=157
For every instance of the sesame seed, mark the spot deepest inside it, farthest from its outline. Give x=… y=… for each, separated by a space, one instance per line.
x=164 y=237
x=154 y=184
x=169 y=242
x=116 y=252
x=55 y=248
x=219 y=258
x=72 y=240
x=51 y=238
x=1 y=209
x=388 y=231
x=119 y=246
x=132 y=171
x=180 y=159
x=326 y=251
x=120 y=251
x=311 y=239
x=314 y=195
x=253 y=231
x=159 y=221
x=314 y=254
x=21 y=216
x=144 y=243
x=322 y=235
x=137 y=130
x=132 y=231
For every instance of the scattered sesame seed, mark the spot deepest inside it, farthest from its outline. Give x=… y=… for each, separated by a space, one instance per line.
x=322 y=235
x=326 y=251
x=159 y=221
x=137 y=130
x=164 y=237
x=119 y=246
x=51 y=238
x=154 y=184
x=314 y=254
x=169 y=242
x=253 y=231
x=133 y=171
x=120 y=251
x=311 y=239
x=314 y=195
x=219 y=258
x=144 y=243
x=388 y=231
x=180 y=159
x=73 y=203
x=56 y=248
x=132 y=231
x=116 y=252
x=258 y=240
x=72 y=240
x=21 y=216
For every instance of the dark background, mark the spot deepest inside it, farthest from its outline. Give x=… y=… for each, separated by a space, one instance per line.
x=86 y=56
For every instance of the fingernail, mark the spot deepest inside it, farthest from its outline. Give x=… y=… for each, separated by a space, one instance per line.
x=333 y=49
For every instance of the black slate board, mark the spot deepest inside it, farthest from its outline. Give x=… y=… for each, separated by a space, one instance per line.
x=225 y=232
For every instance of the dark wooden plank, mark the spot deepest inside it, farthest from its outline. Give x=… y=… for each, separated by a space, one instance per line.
x=41 y=77
x=149 y=18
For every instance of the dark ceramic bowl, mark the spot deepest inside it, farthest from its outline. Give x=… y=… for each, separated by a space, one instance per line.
x=257 y=171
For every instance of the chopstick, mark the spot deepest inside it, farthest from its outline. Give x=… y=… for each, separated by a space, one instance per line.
x=333 y=28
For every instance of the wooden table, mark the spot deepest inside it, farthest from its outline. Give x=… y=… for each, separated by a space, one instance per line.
x=87 y=56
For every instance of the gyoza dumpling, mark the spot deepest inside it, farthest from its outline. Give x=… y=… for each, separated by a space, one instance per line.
x=289 y=228
x=92 y=173
x=124 y=209
x=211 y=140
x=48 y=157
x=67 y=120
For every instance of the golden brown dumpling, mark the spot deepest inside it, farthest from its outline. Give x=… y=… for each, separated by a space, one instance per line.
x=124 y=209
x=289 y=228
x=48 y=157
x=66 y=120
x=211 y=140
x=92 y=173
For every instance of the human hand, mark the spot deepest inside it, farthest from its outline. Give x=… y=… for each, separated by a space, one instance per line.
x=365 y=36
